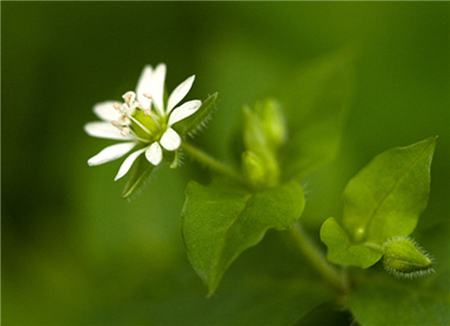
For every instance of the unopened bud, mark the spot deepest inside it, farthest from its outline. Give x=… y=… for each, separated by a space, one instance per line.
x=262 y=171
x=253 y=167
x=403 y=257
x=273 y=122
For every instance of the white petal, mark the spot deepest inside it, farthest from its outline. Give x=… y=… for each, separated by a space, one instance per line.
x=111 y=153
x=144 y=85
x=105 y=130
x=170 y=140
x=183 y=111
x=106 y=111
x=127 y=163
x=179 y=93
x=157 y=87
x=154 y=153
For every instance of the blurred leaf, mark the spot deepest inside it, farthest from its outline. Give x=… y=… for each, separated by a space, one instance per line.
x=220 y=222
x=326 y=314
x=382 y=300
x=270 y=285
x=316 y=99
x=197 y=122
x=141 y=171
x=383 y=200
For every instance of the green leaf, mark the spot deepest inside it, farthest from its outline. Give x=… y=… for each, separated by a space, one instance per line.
x=141 y=171
x=382 y=300
x=342 y=250
x=316 y=102
x=383 y=200
x=196 y=122
x=220 y=222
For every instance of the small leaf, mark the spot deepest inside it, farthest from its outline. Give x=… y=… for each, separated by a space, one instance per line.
x=141 y=171
x=382 y=201
x=341 y=250
x=220 y=222
x=316 y=102
x=195 y=123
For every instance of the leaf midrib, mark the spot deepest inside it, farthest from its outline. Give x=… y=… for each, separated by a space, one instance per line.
x=394 y=186
x=224 y=238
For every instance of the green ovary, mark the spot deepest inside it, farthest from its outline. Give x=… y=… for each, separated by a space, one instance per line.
x=146 y=127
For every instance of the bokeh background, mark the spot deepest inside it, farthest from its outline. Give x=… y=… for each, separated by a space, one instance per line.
x=75 y=253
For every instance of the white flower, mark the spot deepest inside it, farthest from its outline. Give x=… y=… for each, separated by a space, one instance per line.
x=143 y=120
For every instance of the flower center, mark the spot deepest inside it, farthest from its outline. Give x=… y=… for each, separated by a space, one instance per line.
x=148 y=127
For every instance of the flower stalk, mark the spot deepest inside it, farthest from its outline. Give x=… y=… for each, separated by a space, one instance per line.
x=312 y=253
x=212 y=163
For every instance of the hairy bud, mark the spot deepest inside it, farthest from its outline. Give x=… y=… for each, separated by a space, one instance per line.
x=403 y=257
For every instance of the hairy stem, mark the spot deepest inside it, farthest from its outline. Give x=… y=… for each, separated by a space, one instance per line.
x=212 y=163
x=318 y=260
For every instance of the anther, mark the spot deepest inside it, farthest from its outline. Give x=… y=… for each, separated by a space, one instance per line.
x=129 y=97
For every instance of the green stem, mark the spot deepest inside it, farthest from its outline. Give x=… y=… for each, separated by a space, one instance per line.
x=318 y=260
x=212 y=163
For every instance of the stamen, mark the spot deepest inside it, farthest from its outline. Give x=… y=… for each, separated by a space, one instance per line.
x=117 y=106
x=125 y=131
x=116 y=124
x=129 y=97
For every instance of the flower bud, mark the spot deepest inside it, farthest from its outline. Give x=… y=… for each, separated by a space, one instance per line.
x=260 y=171
x=403 y=257
x=273 y=122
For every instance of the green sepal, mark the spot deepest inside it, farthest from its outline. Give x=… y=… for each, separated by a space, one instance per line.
x=197 y=122
x=140 y=172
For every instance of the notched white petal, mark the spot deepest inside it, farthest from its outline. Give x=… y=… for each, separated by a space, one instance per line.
x=105 y=130
x=154 y=153
x=107 y=111
x=157 y=87
x=111 y=153
x=127 y=163
x=170 y=140
x=179 y=93
x=183 y=111
x=143 y=88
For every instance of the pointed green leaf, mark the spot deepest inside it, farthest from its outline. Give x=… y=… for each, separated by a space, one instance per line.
x=316 y=102
x=220 y=222
x=383 y=200
x=196 y=122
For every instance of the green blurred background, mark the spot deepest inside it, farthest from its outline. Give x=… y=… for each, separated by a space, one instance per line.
x=75 y=253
